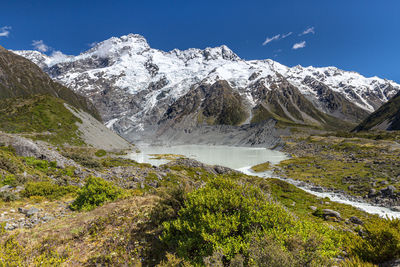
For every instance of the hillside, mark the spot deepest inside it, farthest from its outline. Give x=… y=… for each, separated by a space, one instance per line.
x=19 y=77
x=33 y=105
x=387 y=117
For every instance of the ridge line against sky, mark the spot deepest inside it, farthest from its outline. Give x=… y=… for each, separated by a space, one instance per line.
x=358 y=35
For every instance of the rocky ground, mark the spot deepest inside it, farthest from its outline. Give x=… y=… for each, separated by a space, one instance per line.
x=366 y=169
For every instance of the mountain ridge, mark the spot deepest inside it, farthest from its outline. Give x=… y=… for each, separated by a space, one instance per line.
x=387 y=117
x=133 y=85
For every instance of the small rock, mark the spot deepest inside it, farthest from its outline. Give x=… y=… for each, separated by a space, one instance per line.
x=22 y=210
x=388 y=191
x=10 y=226
x=5 y=188
x=313 y=208
x=32 y=211
x=47 y=218
x=356 y=220
x=317 y=189
x=372 y=193
x=395 y=208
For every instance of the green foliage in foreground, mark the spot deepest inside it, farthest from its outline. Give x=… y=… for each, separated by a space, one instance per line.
x=94 y=193
x=47 y=189
x=380 y=241
x=226 y=217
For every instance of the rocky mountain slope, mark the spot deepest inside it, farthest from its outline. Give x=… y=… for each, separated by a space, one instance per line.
x=21 y=78
x=136 y=87
x=34 y=106
x=387 y=117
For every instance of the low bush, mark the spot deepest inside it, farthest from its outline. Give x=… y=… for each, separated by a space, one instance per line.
x=94 y=193
x=84 y=160
x=41 y=165
x=8 y=164
x=100 y=153
x=8 y=180
x=47 y=189
x=8 y=196
x=379 y=241
x=227 y=217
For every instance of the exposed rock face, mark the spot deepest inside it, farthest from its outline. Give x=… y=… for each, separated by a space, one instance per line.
x=27 y=148
x=136 y=88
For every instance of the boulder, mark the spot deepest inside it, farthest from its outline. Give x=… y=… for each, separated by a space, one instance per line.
x=388 y=191
x=331 y=213
x=317 y=189
x=26 y=148
x=372 y=193
x=395 y=208
x=32 y=211
x=356 y=220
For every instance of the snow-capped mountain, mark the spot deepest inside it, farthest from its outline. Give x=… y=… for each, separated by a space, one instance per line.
x=133 y=85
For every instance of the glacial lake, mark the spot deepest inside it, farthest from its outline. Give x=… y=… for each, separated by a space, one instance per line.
x=232 y=157
x=241 y=159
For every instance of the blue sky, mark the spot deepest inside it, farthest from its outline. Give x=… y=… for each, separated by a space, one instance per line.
x=359 y=35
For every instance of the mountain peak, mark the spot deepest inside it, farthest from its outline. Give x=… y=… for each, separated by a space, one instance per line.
x=220 y=52
x=133 y=43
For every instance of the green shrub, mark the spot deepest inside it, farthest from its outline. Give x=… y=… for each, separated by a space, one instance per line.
x=225 y=216
x=84 y=160
x=380 y=241
x=47 y=189
x=8 y=164
x=11 y=252
x=41 y=165
x=95 y=192
x=100 y=153
x=8 y=196
x=8 y=180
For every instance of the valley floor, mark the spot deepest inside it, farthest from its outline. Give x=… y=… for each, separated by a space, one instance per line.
x=98 y=208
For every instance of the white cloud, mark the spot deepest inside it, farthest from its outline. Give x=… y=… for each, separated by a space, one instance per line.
x=299 y=45
x=93 y=44
x=286 y=35
x=40 y=45
x=276 y=38
x=5 y=31
x=307 y=31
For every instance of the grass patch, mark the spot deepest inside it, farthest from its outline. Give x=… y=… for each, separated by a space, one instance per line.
x=41 y=117
x=266 y=166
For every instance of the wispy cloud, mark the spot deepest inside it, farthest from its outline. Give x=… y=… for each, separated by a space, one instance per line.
x=270 y=39
x=93 y=44
x=299 y=45
x=308 y=31
x=276 y=38
x=40 y=45
x=286 y=35
x=5 y=31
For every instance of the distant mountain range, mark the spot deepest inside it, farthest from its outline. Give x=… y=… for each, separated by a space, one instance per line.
x=139 y=90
